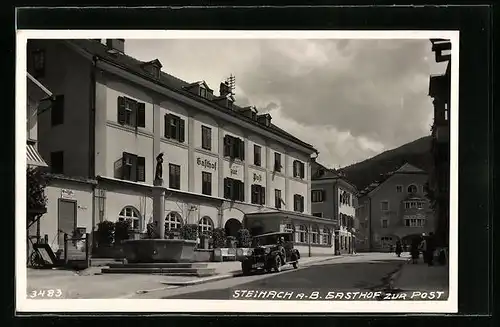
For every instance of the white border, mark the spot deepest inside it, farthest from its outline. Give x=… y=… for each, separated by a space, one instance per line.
x=23 y=304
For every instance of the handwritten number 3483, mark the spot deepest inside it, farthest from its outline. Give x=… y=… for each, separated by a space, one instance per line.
x=46 y=293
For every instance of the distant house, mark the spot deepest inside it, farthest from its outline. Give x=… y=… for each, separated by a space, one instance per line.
x=334 y=197
x=393 y=209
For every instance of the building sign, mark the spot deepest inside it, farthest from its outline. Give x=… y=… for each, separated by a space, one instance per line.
x=67 y=194
x=205 y=163
x=234 y=171
x=257 y=177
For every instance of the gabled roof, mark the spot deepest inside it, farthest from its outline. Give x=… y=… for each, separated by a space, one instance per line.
x=406 y=168
x=154 y=62
x=198 y=83
x=95 y=48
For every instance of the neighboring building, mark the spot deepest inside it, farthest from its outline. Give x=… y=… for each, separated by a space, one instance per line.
x=334 y=197
x=439 y=180
x=222 y=163
x=395 y=208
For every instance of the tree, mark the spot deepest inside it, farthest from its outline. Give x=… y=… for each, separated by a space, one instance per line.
x=36 y=200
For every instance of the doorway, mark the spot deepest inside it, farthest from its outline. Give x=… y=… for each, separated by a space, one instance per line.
x=66 y=219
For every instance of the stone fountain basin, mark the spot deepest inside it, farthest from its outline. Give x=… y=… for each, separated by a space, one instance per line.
x=159 y=250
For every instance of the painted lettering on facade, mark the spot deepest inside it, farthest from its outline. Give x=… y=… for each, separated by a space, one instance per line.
x=257 y=177
x=205 y=163
x=234 y=171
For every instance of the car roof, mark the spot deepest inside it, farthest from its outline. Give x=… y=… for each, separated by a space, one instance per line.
x=273 y=233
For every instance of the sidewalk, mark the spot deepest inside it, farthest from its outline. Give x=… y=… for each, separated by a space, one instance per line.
x=90 y=284
x=421 y=277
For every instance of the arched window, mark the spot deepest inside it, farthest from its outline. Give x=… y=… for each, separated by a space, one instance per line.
x=326 y=237
x=302 y=231
x=315 y=235
x=205 y=225
x=173 y=221
x=412 y=189
x=132 y=215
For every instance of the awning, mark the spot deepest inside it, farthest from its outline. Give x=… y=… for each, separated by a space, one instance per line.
x=33 y=157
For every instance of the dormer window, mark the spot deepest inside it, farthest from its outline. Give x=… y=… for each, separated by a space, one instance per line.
x=153 y=67
x=203 y=92
x=264 y=119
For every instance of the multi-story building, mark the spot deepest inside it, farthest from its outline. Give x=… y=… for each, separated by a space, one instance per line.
x=393 y=209
x=334 y=197
x=439 y=180
x=222 y=163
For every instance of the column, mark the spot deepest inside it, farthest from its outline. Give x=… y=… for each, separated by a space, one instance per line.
x=246 y=180
x=269 y=175
x=289 y=205
x=191 y=176
x=159 y=210
x=221 y=160
x=308 y=209
x=157 y=121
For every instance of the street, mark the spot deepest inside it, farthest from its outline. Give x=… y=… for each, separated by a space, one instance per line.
x=349 y=273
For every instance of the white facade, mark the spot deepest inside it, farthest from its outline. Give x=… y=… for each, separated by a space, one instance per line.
x=101 y=153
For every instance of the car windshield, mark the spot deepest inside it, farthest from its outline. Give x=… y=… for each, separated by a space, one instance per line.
x=268 y=239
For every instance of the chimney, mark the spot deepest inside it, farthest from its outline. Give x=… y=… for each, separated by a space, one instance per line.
x=224 y=89
x=115 y=45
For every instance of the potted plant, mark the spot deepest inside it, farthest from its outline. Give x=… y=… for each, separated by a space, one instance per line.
x=231 y=242
x=189 y=232
x=122 y=231
x=219 y=238
x=244 y=239
x=105 y=233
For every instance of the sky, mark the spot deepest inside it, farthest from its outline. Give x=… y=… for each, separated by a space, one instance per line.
x=350 y=98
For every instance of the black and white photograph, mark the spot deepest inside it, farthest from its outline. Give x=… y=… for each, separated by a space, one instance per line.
x=258 y=171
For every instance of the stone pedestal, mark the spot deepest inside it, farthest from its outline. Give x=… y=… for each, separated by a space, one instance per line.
x=159 y=208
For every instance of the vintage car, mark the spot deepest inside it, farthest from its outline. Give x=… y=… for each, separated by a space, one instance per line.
x=269 y=252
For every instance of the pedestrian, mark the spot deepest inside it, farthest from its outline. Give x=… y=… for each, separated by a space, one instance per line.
x=399 y=248
x=423 y=248
x=414 y=251
x=430 y=249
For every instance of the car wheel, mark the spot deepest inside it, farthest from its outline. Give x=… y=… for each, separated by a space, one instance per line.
x=277 y=264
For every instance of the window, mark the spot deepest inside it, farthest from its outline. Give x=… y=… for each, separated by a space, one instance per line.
x=57 y=162
x=385 y=223
x=412 y=189
x=257 y=150
x=174 y=176
x=277 y=162
x=206 y=138
x=298 y=203
x=302 y=234
x=174 y=128
x=399 y=188
x=203 y=92
x=57 y=111
x=205 y=225
x=234 y=189
x=290 y=229
x=234 y=147
x=414 y=222
x=132 y=167
x=315 y=235
x=317 y=195
x=318 y=214
x=326 y=237
x=277 y=199
x=384 y=205
x=131 y=112
x=206 y=183
x=298 y=169
x=258 y=194
x=132 y=215
x=414 y=204
x=38 y=63
x=173 y=221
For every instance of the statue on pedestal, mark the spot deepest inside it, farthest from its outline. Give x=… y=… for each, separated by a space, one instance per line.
x=158 y=181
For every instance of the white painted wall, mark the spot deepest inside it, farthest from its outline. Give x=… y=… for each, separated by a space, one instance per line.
x=233 y=170
x=173 y=154
x=200 y=120
x=249 y=151
x=116 y=200
x=82 y=193
x=168 y=107
x=120 y=140
x=206 y=163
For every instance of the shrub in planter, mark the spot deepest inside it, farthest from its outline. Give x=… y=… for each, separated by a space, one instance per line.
x=105 y=233
x=219 y=238
x=122 y=231
x=189 y=232
x=231 y=242
x=151 y=231
x=244 y=238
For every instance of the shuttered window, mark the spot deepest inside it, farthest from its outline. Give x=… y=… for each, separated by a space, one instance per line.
x=258 y=194
x=133 y=167
x=234 y=147
x=131 y=112
x=174 y=128
x=234 y=189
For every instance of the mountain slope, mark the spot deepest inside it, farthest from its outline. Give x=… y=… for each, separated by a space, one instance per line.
x=417 y=153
